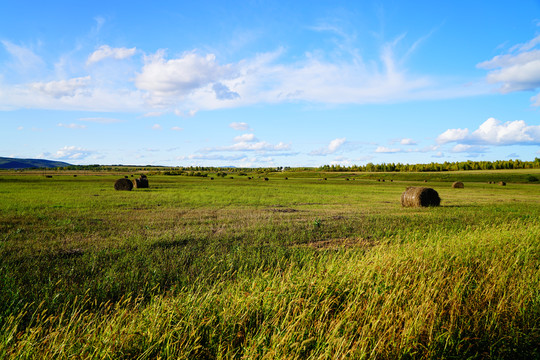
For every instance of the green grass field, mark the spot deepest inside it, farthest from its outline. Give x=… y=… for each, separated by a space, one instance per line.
x=303 y=268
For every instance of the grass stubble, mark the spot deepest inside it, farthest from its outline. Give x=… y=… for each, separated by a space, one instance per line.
x=304 y=269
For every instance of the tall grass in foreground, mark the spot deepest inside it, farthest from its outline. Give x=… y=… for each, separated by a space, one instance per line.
x=473 y=293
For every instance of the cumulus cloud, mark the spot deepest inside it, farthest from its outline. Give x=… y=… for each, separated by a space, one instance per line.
x=384 y=149
x=332 y=147
x=451 y=135
x=176 y=128
x=61 y=88
x=517 y=70
x=471 y=149
x=178 y=77
x=241 y=126
x=245 y=138
x=69 y=153
x=494 y=132
x=105 y=51
x=224 y=93
x=72 y=126
x=407 y=142
x=157 y=127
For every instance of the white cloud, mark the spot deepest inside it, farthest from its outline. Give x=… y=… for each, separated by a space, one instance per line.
x=406 y=141
x=185 y=114
x=176 y=128
x=471 y=149
x=194 y=82
x=451 y=135
x=72 y=126
x=157 y=127
x=517 y=70
x=20 y=128
x=332 y=147
x=384 y=149
x=153 y=114
x=494 y=132
x=105 y=51
x=25 y=59
x=69 y=153
x=61 y=88
x=241 y=126
x=336 y=144
x=251 y=146
x=101 y=120
x=175 y=78
x=245 y=138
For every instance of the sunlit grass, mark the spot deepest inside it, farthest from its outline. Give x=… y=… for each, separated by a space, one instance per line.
x=298 y=268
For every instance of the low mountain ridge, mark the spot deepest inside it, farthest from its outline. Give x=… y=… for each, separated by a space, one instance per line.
x=15 y=163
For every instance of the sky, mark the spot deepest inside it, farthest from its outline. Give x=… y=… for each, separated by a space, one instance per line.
x=269 y=83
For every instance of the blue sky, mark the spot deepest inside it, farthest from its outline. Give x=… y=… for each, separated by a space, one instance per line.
x=269 y=83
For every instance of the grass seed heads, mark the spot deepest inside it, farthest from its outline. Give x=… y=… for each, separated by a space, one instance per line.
x=420 y=197
x=458 y=185
x=123 y=184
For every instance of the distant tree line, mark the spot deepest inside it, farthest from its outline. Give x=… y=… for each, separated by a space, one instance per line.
x=370 y=167
x=446 y=166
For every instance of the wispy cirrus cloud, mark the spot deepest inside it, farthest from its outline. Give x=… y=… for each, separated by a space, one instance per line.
x=71 y=126
x=106 y=52
x=240 y=126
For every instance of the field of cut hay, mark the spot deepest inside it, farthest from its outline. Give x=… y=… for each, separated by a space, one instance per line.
x=194 y=268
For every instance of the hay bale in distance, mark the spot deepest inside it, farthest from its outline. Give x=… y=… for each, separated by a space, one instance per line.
x=458 y=185
x=265 y=179
x=501 y=183
x=123 y=184
x=142 y=182
x=420 y=196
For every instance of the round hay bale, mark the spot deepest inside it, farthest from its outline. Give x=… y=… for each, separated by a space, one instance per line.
x=286 y=178
x=379 y=180
x=425 y=180
x=501 y=183
x=142 y=176
x=265 y=179
x=123 y=184
x=142 y=183
x=382 y=180
x=211 y=178
x=125 y=176
x=420 y=196
x=458 y=185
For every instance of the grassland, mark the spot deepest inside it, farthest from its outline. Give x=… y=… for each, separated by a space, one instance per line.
x=194 y=268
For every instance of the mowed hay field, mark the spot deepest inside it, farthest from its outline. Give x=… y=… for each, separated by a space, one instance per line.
x=193 y=268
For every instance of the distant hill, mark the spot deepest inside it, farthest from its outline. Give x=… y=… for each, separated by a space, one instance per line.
x=14 y=163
